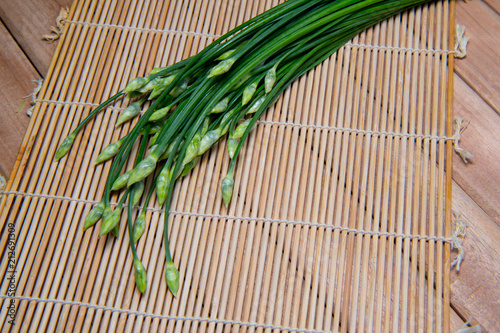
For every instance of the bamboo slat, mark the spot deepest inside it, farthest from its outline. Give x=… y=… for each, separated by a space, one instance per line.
x=340 y=218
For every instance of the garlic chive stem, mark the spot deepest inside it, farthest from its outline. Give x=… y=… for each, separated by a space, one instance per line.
x=130 y=228
x=139 y=270
x=112 y=220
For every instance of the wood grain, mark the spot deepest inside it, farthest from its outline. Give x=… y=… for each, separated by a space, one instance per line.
x=24 y=57
x=15 y=83
x=479 y=69
x=494 y=4
x=480 y=177
x=27 y=21
x=475 y=292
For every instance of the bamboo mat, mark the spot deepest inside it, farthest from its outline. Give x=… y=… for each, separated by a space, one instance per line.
x=340 y=218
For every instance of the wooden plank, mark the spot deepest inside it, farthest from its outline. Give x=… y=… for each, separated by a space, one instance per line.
x=27 y=21
x=494 y=4
x=480 y=69
x=455 y=321
x=15 y=82
x=480 y=177
x=455 y=318
x=474 y=290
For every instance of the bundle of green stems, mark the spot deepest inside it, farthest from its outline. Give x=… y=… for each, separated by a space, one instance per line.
x=222 y=90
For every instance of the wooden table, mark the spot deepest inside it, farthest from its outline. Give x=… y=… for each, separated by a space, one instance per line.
x=24 y=57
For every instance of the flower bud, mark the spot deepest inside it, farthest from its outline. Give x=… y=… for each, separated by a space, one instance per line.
x=142 y=170
x=204 y=127
x=156 y=70
x=94 y=215
x=241 y=82
x=223 y=130
x=107 y=211
x=155 y=128
x=160 y=113
x=65 y=146
x=162 y=184
x=108 y=152
x=188 y=167
x=153 y=140
x=256 y=105
x=130 y=112
x=136 y=84
x=137 y=190
x=225 y=55
x=192 y=149
x=221 y=106
x=227 y=188
x=240 y=129
x=121 y=181
x=177 y=90
x=222 y=67
x=110 y=221
x=139 y=227
x=115 y=231
x=149 y=86
x=168 y=151
x=160 y=86
x=248 y=93
x=208 y=140
x=270 y=79
x=141 y=279
x=172 y=277
x=232 y=144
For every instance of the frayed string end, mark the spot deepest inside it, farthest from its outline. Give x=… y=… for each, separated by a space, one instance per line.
x=3 y=184
x=56 y=31
x=33 y=95
x=459 y=128
x=467 y=328
x=460 y=42
x=457 y=239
